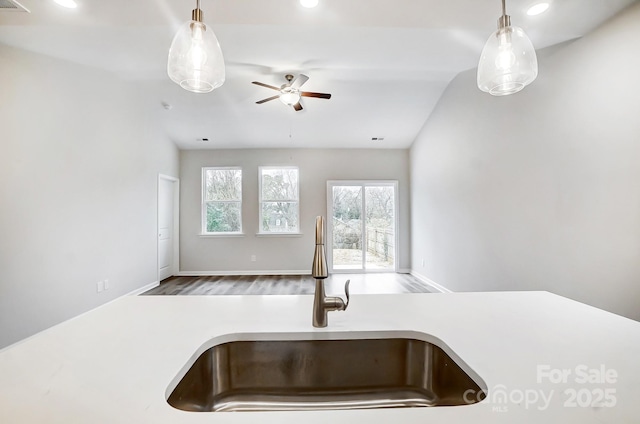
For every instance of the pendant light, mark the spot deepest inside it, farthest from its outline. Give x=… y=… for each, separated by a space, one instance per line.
x=195 y=59
x=508 y=62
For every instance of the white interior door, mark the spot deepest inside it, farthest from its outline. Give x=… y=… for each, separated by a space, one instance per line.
x=166 y=207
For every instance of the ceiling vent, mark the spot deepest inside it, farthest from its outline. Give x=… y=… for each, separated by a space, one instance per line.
x=12 y=6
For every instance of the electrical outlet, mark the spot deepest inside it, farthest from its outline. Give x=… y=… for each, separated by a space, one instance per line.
x=253 y=258
x=100 y=286
x=106 y=284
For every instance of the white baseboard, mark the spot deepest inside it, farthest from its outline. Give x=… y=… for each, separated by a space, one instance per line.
x=277 y=272
x=223 y=273
x=141 y=290
x=271 y=272
x=437 y=287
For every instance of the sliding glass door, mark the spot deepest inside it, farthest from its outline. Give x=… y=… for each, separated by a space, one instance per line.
x=362 y=226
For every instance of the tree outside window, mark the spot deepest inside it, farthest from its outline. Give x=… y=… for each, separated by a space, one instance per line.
x=222 y=200
x=279 y=200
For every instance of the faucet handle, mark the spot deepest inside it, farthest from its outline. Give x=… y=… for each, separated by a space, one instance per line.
x=346 y=290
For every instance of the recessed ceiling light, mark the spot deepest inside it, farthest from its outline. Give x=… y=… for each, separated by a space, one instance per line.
x=70 y=4
x=537 y=9
x=309 y=3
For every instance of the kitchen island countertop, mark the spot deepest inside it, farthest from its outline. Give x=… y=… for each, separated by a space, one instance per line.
x=543 y=358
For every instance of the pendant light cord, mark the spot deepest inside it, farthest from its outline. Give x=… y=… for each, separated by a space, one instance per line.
x=504 y=7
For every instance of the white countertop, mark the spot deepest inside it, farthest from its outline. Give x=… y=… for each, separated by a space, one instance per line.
x=115 y=364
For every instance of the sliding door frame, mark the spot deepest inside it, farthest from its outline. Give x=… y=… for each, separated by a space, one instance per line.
x=329 y=220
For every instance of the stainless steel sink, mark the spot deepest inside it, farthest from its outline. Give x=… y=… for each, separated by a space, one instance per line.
x=268 y=375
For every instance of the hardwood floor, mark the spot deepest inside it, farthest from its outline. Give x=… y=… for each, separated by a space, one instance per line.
x=288 y=284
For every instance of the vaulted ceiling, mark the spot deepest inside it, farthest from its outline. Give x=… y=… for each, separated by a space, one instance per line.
x=386 y=62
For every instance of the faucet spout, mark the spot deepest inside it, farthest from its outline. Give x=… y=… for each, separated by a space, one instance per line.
x=319 y=268
x=321 y=303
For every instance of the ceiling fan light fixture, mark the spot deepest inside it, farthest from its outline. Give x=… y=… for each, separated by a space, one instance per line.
x=508 y=62
x=195 y=59
x=289 y=97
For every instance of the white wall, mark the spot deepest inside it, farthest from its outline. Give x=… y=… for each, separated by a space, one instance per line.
x=539 y=190
x=78 y=167
x=232 y=254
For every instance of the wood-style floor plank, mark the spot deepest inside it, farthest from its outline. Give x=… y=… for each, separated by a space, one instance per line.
x=287 y=285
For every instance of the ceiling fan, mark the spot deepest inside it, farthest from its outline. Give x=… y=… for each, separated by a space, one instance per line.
x=290 y=93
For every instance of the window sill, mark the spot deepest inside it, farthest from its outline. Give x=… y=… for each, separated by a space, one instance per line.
x=279 y=234
x=220 y=235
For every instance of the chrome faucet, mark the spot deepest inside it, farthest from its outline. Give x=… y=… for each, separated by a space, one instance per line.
x=321 y=303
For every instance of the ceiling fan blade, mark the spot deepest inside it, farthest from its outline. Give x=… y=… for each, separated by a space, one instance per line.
x=298 y=82
x=261 y=84
x=267 y=99
x=297 y=107
x=318 y=95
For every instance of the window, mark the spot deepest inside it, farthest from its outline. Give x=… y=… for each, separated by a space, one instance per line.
x=221 y=200
x=279 y=200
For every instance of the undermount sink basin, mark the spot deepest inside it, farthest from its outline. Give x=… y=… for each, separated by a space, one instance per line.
x=268 y=375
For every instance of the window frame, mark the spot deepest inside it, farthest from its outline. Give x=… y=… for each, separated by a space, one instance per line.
x=205 y=202
x=261 y=201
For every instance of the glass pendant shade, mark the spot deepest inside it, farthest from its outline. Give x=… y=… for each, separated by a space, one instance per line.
x=508 y=62
x=195 y=58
